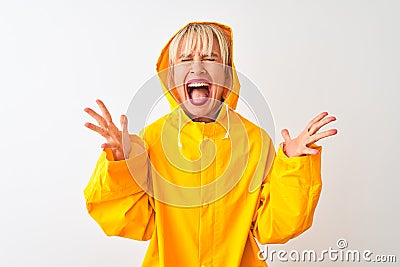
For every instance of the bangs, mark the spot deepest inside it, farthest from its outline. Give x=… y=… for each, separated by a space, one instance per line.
x=202 y=37
x=199 y=35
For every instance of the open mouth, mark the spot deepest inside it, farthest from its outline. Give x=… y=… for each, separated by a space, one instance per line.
x=198 y=91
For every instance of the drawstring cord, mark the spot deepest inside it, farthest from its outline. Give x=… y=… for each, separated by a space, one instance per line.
x=229 y=123
x=179 y=129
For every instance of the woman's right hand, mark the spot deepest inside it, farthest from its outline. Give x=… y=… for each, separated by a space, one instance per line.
x=118 y=141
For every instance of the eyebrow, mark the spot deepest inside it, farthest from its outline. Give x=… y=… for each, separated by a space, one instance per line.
x=185 y=55
x=203 y=55
x=210 y=55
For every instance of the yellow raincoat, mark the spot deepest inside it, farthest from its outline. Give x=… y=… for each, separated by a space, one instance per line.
x=202 y=192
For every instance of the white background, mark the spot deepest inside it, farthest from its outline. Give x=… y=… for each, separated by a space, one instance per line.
x=57 y=57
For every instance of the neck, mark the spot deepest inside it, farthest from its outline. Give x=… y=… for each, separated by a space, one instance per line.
x=201 y=119
x=208 y=119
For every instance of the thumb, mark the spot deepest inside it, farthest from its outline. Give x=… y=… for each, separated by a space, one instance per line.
x=124 y=124
x=286 y=135
x=126 y=144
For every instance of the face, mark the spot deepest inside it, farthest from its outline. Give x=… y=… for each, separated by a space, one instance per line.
x=200 y=82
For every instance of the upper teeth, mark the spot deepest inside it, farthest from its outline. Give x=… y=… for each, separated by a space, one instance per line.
x=197 y=84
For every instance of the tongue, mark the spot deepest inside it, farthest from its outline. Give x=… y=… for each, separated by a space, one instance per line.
x=199 y=93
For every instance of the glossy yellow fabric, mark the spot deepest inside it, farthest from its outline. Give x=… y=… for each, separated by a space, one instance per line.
x=273 y=201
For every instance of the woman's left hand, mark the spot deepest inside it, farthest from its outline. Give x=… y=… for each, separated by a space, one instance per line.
x=300 y=145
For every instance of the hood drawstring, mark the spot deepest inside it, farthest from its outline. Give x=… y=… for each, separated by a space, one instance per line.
x=180 y=125
x=179 y=129
x=229 y=123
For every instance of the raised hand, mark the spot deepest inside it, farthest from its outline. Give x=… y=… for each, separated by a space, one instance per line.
x=118 y=141
x=300 y=145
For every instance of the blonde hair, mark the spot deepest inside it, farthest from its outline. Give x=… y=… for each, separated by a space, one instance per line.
x=201 y=33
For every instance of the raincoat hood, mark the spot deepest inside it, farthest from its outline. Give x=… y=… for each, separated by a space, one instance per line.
x=163 y=64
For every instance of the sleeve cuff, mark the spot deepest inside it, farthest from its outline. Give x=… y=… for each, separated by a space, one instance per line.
x=282 y=154
x=129 y=172
x=305 y=169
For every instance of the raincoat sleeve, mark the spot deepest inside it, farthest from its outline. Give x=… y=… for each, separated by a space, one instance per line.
x=289 y=196
x=114 y=198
